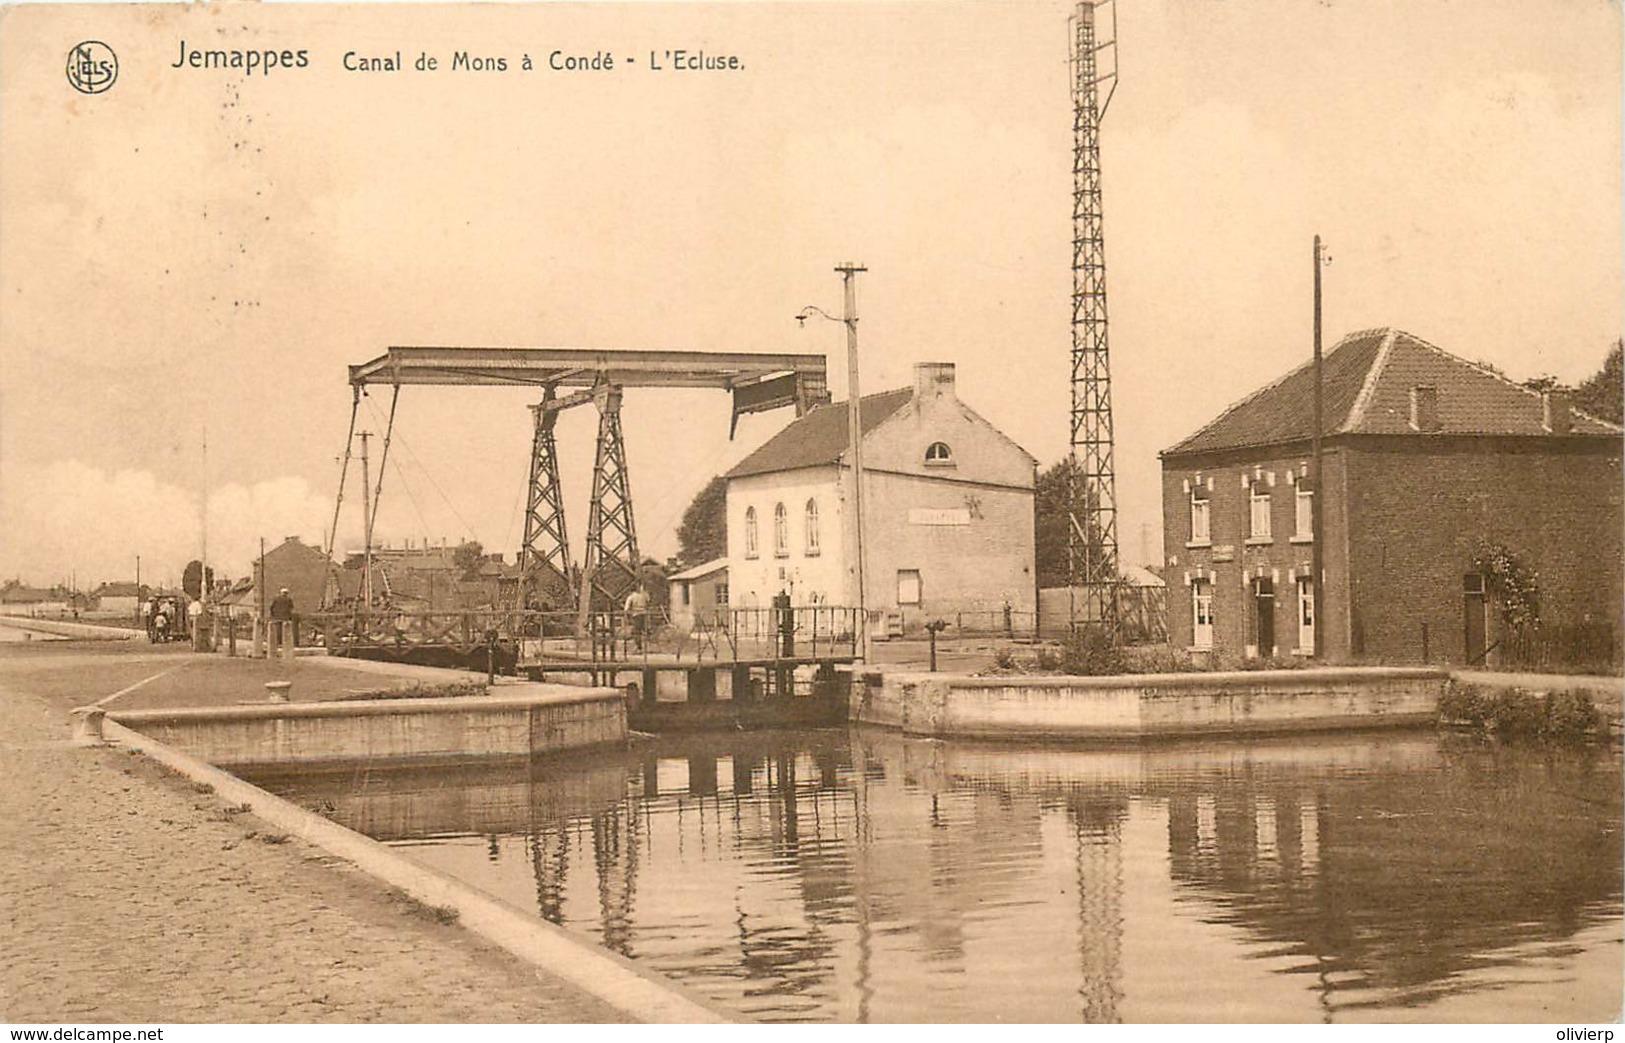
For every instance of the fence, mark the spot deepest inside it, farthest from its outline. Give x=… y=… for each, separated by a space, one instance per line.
x=1585 y=647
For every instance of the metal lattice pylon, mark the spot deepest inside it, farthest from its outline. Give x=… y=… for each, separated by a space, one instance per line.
x=609 y=570
x=544 y=557
x=1092 y=525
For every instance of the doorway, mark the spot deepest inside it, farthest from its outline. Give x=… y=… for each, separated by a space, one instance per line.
x=1264 y=615
x=1475 y=606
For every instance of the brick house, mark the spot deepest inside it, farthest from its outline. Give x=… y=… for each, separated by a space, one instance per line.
x=948 y=510
x=1430 y=465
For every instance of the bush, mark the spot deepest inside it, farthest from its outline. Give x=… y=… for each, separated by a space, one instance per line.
x=1047 y=659
x=1090 y=652
x=1005 y=658
x=1516 y=713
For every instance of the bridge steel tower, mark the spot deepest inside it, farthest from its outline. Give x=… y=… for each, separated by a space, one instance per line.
x=1092 y=509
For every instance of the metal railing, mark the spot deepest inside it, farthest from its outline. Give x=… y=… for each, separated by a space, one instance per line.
x=720 y=635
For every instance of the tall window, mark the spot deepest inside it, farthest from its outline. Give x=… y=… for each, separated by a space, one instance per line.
x=750 y=532
x=781 y=532
x=1201 y=529
x=1202 y=614
x=1259 y=504
x=811 y=525
x=1304 y=514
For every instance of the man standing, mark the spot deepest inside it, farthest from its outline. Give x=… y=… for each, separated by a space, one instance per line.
x=281 y=632
x=637 y=614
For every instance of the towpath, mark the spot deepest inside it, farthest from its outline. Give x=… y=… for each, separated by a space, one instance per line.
x=126 y=895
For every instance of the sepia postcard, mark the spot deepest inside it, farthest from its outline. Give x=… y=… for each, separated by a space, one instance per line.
x=892 y=511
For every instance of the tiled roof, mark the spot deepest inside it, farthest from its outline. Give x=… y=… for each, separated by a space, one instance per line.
x=1366 y=385
x=820 y=437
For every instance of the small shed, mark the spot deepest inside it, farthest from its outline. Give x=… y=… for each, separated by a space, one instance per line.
x=698 y=592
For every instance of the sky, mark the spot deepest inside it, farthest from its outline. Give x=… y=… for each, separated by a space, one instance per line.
x=196 y=255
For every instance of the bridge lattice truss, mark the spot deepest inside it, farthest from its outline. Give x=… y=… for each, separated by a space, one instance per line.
x=609 y=569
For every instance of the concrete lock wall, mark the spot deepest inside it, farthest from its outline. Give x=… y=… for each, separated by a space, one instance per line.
x=562 y=718
x=1247 y=702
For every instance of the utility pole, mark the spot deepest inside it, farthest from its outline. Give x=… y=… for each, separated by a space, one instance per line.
x=203 y=524
x=849 y=316
x=366 y=527
x=1317 y=550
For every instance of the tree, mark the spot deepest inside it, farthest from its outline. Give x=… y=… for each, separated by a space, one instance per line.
x=1051 y=519
x=1603 y=394
x=467 y=558
x=192 y=579
x=703 y=534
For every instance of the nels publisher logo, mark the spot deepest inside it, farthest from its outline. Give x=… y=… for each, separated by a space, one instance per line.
x=92 y=67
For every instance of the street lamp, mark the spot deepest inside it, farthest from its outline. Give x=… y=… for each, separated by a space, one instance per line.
x=849 y=318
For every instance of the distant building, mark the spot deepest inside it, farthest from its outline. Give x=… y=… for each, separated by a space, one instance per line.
x=698 y=592
x=120 y=598
x=948 y=510
x=304 y=570
x=1431 y=466
x=19 y=600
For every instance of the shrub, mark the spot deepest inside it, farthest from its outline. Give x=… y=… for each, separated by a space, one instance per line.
x=1090 y=651
x=1047 y=659
x=1515 y=713
x=1005 y=658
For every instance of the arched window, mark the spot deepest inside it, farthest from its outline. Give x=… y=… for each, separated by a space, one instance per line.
x=781 y=531
x=750 y=532
x=939 y=453
x=812 y=528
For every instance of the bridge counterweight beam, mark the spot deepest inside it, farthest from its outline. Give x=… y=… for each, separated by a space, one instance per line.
x=544 y=557
x=610 y=564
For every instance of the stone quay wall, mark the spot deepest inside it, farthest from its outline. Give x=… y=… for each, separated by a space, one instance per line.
x=1139 y=706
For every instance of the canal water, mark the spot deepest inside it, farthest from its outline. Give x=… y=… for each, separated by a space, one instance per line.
x=866 y=877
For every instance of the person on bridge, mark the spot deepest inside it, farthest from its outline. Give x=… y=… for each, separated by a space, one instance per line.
x=637 y=614
x=280 y=634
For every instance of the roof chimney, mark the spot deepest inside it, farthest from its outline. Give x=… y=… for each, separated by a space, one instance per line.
x=1425 y=408
x=933 y=378
x=1554 y=412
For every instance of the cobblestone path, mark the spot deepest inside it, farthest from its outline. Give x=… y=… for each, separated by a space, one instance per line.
x=128 y=896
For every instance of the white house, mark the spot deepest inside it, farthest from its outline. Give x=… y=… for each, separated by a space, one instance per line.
x=948 y=510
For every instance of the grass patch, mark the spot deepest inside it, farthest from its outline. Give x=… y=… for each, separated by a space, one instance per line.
x=273 y=838
x=203 y=787
x=440 y=914
x=418 y=690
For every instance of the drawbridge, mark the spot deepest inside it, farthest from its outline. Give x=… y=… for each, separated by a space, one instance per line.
x=568 y=378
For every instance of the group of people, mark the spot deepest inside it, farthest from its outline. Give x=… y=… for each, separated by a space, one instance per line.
x=173 y=618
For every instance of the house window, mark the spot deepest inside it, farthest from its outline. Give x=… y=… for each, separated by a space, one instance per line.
x=685 y=593
x=1304 y=514
x=781 y=531
x=938 y=453
x=722 y=593
x=750 y=532
x=1201 y=529
x=908 y=586
x=1202 y=614
x=1306 y=615
x=811 y=524
x=1259 y=506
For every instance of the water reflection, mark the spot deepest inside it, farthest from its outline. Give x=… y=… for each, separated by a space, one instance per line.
x=869 y=877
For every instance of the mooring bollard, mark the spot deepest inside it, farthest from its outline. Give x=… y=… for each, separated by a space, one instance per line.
x=279 y=690
x=87 y=726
